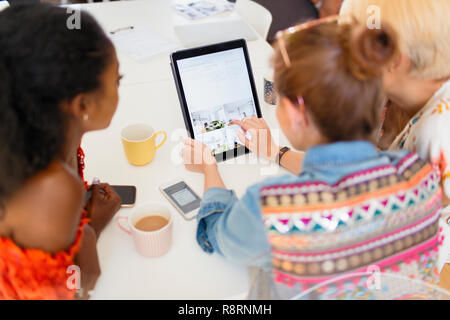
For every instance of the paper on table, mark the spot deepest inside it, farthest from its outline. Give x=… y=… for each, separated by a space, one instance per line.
x=198 y=9
x=141 y=43
x=3 y=5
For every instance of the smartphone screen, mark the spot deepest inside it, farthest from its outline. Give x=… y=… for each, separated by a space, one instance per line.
x=183 y=196
x=127 y=194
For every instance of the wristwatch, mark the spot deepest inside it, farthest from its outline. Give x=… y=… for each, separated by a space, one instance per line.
x=281 y=154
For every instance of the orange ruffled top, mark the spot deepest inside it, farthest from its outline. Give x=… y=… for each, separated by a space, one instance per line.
x=31 y=274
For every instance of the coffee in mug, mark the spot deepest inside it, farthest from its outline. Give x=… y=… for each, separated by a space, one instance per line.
x=151 y=223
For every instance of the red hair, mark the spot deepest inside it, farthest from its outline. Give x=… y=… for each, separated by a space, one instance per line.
x=336 y=69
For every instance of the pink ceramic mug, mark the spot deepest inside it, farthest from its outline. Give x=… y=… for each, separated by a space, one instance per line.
x=149 y=243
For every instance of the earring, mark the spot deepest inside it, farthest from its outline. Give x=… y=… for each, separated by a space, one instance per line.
x=85 y=117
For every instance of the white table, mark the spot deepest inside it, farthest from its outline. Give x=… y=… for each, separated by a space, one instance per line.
x=148 y=95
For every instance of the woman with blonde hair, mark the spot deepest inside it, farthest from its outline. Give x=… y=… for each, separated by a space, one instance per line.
x=417 y=83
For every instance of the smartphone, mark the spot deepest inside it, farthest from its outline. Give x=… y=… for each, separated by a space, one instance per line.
x=127 y=194
x=182 y=197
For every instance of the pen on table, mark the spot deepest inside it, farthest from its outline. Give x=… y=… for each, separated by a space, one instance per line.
x=120 y=29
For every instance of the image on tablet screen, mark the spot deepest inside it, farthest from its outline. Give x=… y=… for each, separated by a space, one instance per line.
x=217 y=90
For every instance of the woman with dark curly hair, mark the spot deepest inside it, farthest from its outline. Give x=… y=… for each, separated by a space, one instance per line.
x=56 y=84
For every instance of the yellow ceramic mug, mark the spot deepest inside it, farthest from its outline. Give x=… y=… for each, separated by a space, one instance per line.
x=139 y=143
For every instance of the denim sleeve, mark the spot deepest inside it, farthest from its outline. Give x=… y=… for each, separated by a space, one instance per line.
x=233 y=228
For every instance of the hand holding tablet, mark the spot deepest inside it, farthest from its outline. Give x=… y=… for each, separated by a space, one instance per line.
x=258 y=137
x=215 y=87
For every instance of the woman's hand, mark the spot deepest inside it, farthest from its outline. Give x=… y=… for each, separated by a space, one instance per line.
x=261 y=142
x=102 y=206
x=197 y=157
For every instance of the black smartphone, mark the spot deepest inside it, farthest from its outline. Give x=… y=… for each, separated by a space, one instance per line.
x=127 y=194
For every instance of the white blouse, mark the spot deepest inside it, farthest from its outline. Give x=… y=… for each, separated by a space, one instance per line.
x=428 y=134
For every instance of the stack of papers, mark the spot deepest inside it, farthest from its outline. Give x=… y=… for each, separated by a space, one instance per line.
x=194 y=10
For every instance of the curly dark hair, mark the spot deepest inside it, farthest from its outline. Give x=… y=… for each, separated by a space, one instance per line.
x=42 y=64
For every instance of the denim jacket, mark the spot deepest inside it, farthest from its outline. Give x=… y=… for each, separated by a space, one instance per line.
x=234 y=228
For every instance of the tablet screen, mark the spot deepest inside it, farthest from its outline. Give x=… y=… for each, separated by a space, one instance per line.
x=217 y=90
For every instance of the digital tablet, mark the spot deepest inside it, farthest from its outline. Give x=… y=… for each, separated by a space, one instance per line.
x=215 y=86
